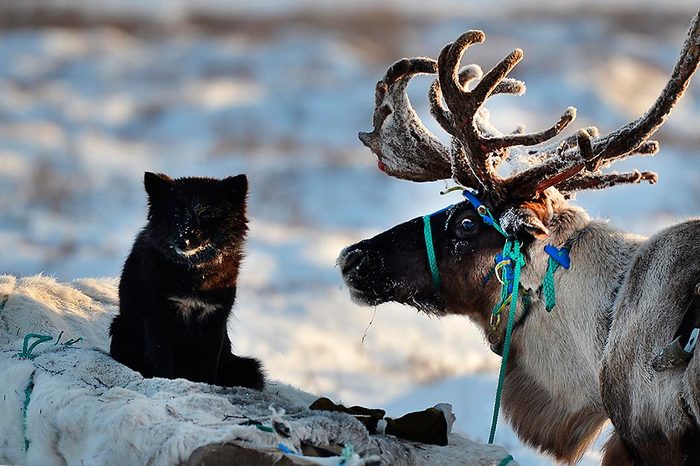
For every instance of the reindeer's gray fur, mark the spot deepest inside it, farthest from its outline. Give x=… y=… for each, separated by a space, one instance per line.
x=649 y=308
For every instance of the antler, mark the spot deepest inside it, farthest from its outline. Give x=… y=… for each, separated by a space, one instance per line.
x=406 y=149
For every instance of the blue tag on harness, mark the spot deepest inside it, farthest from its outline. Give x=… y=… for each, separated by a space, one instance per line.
x=471 y=198
x=561 y=255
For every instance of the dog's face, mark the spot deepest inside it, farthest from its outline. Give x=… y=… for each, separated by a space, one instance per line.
x=195 y=220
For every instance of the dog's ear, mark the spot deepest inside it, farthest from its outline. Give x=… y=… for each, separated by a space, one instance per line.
x=236 y=188
x=157 y=184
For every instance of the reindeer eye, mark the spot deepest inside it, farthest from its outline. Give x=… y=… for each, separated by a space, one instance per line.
x=467 y=226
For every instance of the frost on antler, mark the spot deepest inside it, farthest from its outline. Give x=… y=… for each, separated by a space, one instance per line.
x=406 y=149
x=404 y=146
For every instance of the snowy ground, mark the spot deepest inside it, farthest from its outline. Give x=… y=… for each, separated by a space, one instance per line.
x=279 y=93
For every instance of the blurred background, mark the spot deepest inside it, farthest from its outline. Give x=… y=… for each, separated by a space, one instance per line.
x=92 y=94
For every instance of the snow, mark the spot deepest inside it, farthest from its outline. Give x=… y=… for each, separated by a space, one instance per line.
x=84 y=112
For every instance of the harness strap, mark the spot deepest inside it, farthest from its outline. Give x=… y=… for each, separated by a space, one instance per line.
x=557 y=257
x=432 y=261
x=511 y=261
x=512 y=248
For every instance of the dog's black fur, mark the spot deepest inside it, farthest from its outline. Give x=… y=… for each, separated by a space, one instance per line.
x=179 y=284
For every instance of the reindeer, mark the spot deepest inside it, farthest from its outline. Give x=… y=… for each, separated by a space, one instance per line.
x=621 y=302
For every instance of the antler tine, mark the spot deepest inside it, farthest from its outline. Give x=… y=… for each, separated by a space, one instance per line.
x=559 y=146
x=602 y=181
x=406 y=149
x=448 y=64
x=482 y=146
x=404 y=69
x=531 y=139
x=468 y=74
x=527 y=184
x=403 y=145
x=438 y=110
x=591 y=155
x=470 y=162
x=628 y=138
x=488 y=83
x=473 y=72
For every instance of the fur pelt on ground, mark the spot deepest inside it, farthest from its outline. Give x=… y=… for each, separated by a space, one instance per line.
x=73 y=404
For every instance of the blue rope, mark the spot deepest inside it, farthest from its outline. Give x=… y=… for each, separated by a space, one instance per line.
x=483 y=211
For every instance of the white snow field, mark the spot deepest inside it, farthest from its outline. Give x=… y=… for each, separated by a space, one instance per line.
x=278 y=90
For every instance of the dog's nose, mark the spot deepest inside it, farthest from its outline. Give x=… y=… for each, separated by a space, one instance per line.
x=188 y=242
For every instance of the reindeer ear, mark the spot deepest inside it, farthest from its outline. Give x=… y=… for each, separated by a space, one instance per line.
x=528 y=220
x=157 y=184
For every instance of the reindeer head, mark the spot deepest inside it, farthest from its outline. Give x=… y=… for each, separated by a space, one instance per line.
x=393 y=266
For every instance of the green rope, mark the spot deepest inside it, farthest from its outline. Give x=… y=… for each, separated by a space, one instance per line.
x=28 y=354
x=548 y=285
x=507 y=253
x=347 y=453
x=27 y=349
x=432 y=261
x=506 y=460
x=512 y=248
x=27 y=399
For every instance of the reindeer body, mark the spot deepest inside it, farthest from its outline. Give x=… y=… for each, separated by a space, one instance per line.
x=618 y=305
x=654 y=413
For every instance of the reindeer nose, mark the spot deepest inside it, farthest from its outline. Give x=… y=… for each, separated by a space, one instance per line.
x=349 y=259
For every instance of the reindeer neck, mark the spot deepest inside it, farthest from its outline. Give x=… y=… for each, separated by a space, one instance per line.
x=551 y=393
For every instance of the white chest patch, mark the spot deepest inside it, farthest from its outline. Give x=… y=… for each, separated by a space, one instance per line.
x=189 y=307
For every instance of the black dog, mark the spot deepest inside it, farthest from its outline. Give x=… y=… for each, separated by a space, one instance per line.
x=179 y=284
